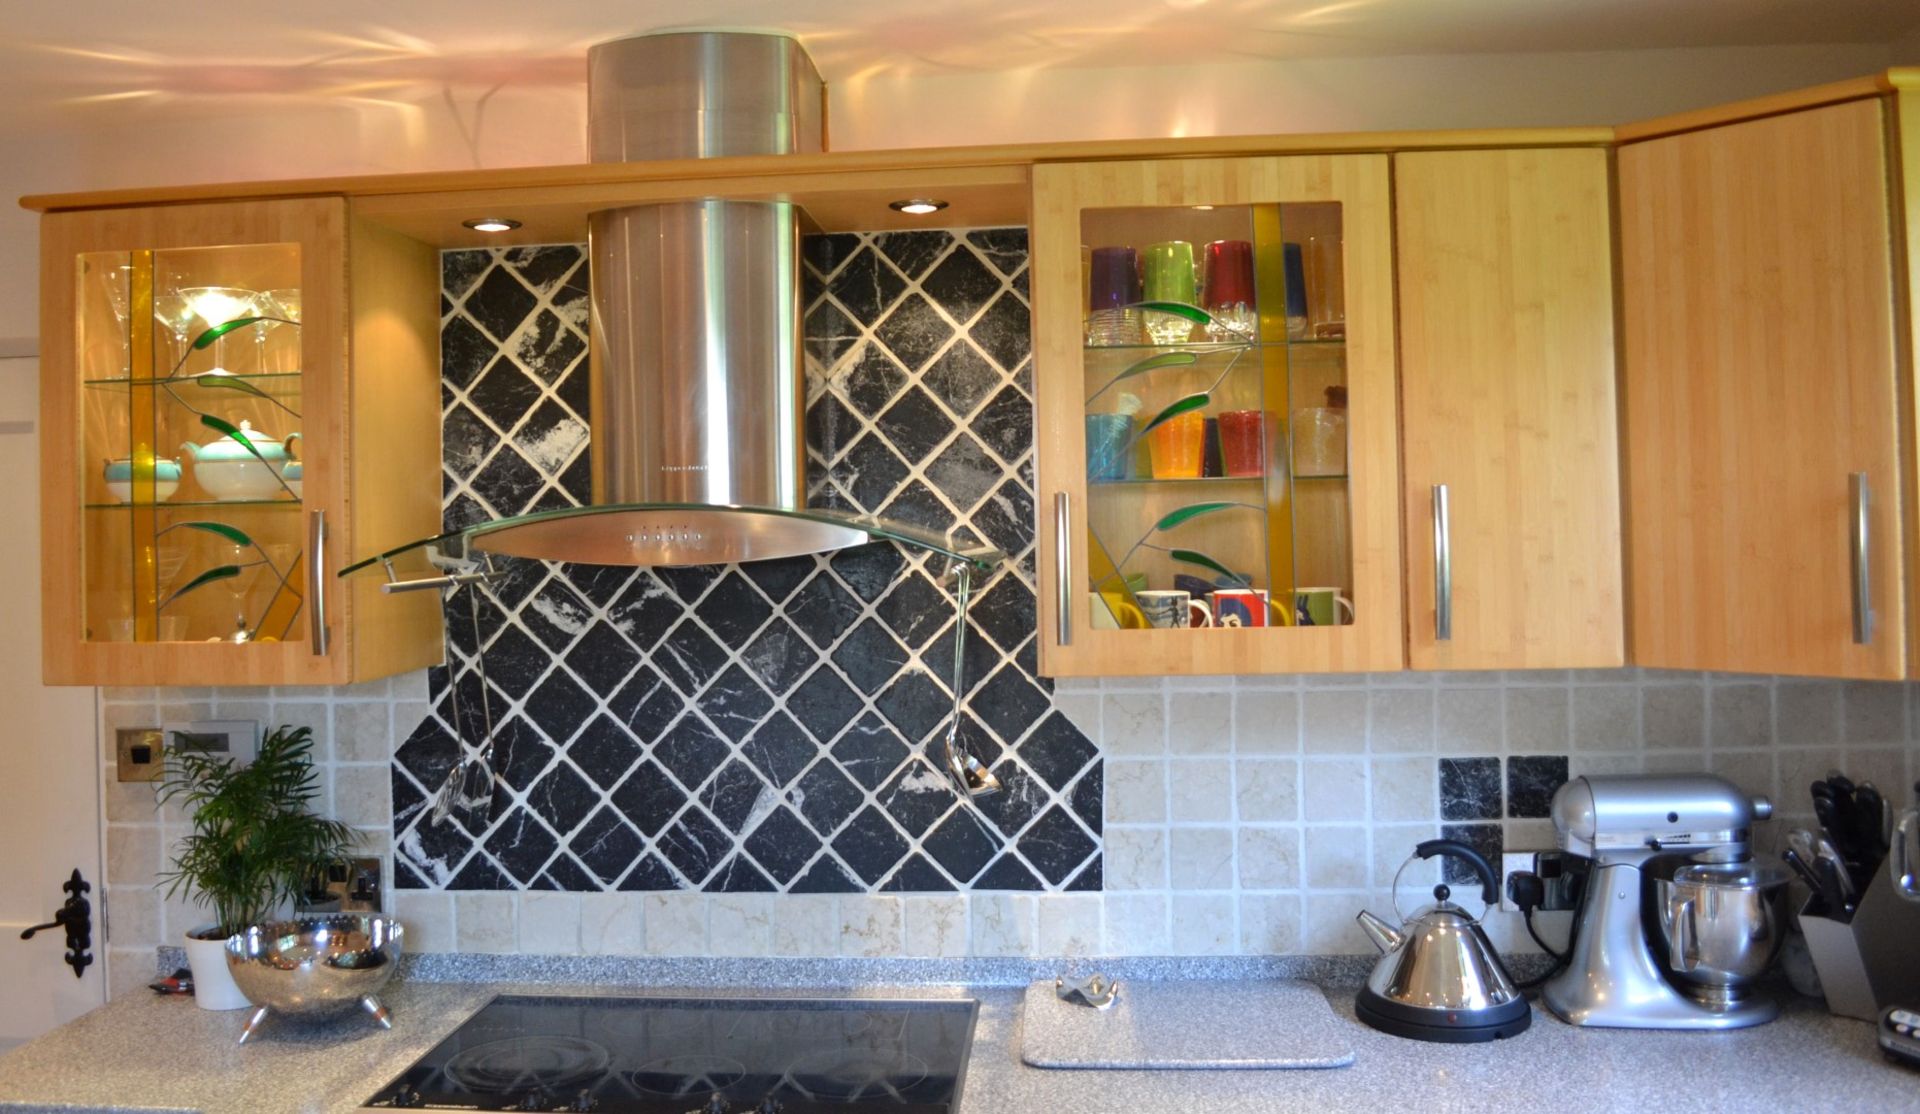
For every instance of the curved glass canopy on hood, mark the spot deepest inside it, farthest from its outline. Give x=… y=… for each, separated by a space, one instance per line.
x=683 y=534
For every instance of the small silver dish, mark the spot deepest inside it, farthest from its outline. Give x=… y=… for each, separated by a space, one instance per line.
x=315 y=967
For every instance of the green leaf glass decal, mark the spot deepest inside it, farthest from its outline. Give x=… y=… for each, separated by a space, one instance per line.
x=219 y=379
x=218 y=572
x=1179 y=309
x=223 y=329
x=232 y=431
x=1193 y=557
x=1189 y=512
x=232 y=533
x=1175 y=409
x=1164 y=359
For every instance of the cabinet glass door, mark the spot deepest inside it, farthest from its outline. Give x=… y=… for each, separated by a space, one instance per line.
x=191 y=369
x=1216 y=418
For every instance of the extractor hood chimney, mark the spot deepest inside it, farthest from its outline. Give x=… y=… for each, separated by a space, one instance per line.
x=699 y=455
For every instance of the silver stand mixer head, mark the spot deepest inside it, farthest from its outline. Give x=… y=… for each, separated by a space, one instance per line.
x=1677 y=921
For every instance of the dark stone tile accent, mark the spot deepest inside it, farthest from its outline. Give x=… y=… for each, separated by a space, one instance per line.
x=962 y=378
x=755 y=728
x=521 y=844
x=916 y=875
x=732 y=793
x=826 y=797
x=782 y=845
x=871 y=845
x=913 y=252
x=1056 y=845
x=870 y=657
x=500 y=303
x=1005 y=424
x=694 y=845
x=1531 y=782
x=1488 y=839
x=826 y=877
x=866 y=287
x=606 y=845
x=961 y=844
x=1470 y=789
x=915 y=425
x=779 y=748
x=459 y=270
x=649 y=798
x=739 y=875
x=1003 y=331
x=961 y=279
x=735 y=703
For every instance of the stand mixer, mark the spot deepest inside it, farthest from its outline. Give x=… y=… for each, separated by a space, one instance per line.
x=1678 y=920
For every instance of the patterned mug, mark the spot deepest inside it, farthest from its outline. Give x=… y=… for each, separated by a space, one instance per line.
x=1241 y=607
x=1171 y=609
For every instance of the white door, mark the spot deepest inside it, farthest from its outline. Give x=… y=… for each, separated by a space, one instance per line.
x=49 y=772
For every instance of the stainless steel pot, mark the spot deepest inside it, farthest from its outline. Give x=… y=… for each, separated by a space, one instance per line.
x=315 y=966
x=1722 y=924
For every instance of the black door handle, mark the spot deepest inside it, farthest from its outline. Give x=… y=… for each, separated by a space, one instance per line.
x=76 y=916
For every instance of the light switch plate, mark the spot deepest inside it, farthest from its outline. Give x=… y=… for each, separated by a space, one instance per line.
x=139 y=753
x=238 y=739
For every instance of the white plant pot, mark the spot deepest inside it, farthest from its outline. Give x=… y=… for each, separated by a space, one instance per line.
x=213 y=985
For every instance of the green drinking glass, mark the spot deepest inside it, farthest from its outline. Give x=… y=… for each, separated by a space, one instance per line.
x=1167 y=276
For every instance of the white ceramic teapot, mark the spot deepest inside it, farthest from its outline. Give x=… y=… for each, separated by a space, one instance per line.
x=229 y=473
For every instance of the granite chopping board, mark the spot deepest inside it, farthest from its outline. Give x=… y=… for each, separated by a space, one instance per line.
x=1276 y=1023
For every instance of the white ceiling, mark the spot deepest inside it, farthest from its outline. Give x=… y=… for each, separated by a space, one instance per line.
x=70 y=59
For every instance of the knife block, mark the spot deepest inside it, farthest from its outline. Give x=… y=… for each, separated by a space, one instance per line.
x=1868 y=964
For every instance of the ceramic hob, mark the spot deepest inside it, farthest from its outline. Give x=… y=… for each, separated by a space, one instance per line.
x=696 y=1056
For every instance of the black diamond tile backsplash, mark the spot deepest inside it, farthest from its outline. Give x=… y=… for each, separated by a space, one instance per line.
x=759 y=727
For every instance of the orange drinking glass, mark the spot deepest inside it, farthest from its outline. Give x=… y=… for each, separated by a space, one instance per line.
x=1176 y=446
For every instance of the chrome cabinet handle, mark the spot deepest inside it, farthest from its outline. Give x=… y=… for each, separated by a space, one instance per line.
x=1442 y=567
x=317 y=581
x=1862 y=585
x=1063 y=567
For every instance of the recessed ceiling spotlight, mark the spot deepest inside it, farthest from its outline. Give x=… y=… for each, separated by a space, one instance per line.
x=491 y=224
x=1204 y=208
x=918 y=206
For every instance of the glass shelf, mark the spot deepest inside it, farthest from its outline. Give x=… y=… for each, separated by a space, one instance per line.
x=183 y=504
x=1201 y=347
x=203 y=380
x=1177 y=481
x=1298 y=478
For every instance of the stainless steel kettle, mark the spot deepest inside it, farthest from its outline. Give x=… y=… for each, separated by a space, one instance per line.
x=1439 y=978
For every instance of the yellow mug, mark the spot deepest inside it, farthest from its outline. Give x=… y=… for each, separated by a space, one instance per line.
x=1113 y=611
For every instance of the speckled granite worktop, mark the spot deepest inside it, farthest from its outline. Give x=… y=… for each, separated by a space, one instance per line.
x=149 y=1053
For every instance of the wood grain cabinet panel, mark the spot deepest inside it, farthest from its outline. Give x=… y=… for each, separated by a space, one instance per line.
x=146 y=581
x=1504 y=261
x=1760 y=380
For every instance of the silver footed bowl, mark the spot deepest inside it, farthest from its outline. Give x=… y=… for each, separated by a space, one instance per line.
x=311 y=966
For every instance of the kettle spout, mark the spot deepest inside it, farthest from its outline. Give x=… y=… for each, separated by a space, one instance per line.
x=1384 y=936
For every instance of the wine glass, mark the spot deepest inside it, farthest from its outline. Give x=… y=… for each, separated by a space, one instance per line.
x=116 y=282
x=172 y=308
x=286 y=301
x=217 y=305
x=265 y=306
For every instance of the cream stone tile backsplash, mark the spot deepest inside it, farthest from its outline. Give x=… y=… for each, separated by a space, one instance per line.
x=1243 y=815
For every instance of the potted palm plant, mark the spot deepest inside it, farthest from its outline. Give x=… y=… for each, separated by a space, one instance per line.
x=253 y=848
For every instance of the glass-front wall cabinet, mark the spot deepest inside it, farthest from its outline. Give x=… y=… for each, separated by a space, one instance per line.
x=1215 y=385
x=215 y=381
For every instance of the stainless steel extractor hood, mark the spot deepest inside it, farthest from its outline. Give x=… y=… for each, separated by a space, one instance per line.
x=698 y=448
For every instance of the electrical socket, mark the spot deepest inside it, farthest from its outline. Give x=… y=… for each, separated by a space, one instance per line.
x=1511 y=861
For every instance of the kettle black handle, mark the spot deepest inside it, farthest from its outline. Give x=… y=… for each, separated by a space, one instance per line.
x=1454 y=849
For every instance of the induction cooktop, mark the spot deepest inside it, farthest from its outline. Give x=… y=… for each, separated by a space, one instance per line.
x=696 y=1056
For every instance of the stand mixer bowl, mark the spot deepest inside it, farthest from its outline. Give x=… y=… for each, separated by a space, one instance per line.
x=1722 y=925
